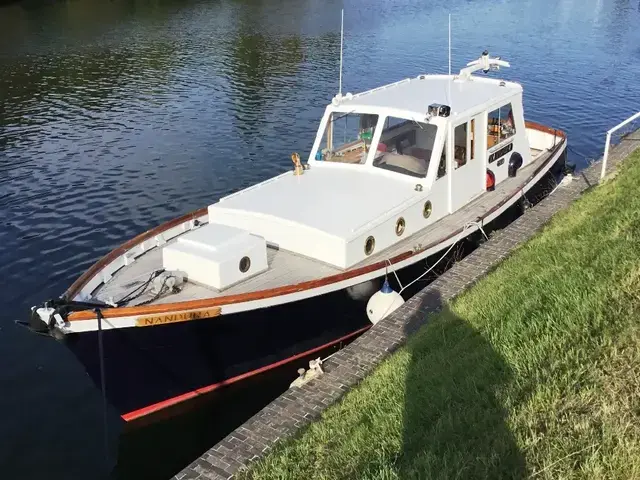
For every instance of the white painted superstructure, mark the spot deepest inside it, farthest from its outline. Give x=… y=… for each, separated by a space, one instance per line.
x=217 y=256
x=342 y=209
x=322 y=214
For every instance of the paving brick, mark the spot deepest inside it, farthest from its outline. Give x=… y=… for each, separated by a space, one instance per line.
x=187 y=474
x=219 y=471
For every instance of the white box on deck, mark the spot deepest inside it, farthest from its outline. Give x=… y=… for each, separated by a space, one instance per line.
x=214 y=255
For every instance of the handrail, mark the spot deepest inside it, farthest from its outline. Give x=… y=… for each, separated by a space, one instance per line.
x=608 y=141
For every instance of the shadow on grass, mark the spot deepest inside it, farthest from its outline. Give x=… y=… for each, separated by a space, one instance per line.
x=454 y=425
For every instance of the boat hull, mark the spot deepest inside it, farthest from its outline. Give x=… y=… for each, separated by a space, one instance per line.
x=188 y=350
x=150 y=369
x=153 y=372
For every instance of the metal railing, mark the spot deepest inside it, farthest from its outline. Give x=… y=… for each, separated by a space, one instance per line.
x=608 y=142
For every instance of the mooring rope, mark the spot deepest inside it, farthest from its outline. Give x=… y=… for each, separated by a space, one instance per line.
x=462 y=235
x=140 y=289
x=103 y=387
x=394 y=272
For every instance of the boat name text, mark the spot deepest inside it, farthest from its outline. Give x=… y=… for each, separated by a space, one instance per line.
x=175 y=317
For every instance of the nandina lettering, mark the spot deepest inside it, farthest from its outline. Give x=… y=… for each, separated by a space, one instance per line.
x=176 y=317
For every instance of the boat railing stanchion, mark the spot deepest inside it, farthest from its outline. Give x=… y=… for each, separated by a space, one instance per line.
x=341 y=44
x=605 y=156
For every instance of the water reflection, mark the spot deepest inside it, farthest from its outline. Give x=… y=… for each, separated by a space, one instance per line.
x=80 y=88
x=618 y=25
x=258 y=67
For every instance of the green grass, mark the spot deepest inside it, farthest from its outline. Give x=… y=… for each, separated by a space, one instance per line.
x=534 y=372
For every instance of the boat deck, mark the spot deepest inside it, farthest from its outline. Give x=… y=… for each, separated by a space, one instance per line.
x=287 y=268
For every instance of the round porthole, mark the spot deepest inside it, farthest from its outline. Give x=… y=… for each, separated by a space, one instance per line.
x=400 y=224
x=369 y=245
x=426 y=211
x=245 y=264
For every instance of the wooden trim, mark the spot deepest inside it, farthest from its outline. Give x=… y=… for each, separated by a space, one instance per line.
x=545 y=129
x=287 y=289
x=76 y=286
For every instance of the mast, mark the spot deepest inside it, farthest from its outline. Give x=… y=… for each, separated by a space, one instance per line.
x=449 y=44
x=341 y=43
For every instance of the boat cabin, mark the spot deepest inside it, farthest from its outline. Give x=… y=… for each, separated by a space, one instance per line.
x=420 y=129
x=385 y=164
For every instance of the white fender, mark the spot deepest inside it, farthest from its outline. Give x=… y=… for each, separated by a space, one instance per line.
x=383 y=302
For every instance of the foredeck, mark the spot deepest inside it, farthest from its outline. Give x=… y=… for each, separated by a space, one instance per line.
x=287 y=268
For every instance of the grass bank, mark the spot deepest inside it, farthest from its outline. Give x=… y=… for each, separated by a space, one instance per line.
x=534 y=372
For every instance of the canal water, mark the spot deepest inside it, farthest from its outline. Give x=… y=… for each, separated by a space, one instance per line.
x=118 y=115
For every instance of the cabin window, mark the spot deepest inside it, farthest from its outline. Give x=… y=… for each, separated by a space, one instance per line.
x=347 y=138
x=460 y=146
x=405 y=146
x=393 y=122
x=500 y=125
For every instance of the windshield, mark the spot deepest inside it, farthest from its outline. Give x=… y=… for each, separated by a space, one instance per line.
x=347 y=138
x=405 y=146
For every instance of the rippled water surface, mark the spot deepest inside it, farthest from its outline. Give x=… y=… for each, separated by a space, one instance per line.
x=118 y=115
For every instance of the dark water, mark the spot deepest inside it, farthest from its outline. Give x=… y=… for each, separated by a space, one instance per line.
x=118 y=115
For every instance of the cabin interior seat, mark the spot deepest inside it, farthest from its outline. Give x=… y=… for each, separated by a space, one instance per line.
x=405 y=149
x=407 y=164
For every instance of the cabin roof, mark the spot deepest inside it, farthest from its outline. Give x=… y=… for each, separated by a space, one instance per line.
x=416 y=94
x=354 y=193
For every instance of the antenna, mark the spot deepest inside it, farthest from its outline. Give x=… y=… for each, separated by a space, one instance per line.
x=341 y=42
x=447 y=92
x=449 y=44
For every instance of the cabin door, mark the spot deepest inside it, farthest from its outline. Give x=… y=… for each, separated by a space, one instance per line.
x=468 y=175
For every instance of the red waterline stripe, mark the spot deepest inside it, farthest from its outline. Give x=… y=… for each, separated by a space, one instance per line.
x=200 y=391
